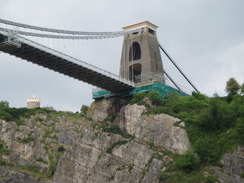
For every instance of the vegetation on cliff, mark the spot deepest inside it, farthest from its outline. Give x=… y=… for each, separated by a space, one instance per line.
x=215 y=126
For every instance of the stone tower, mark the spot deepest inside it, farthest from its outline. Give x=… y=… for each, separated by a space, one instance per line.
x=141 y=60
x=33 y=102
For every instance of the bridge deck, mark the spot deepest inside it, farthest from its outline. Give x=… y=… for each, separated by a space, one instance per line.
x=59 y=62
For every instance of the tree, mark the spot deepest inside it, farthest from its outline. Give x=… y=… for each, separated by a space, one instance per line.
x=232 y=87
x=4 y=104
x=83 y=110
x=242 y=89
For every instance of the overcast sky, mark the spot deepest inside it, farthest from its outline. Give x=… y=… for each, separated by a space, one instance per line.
x=204 y=37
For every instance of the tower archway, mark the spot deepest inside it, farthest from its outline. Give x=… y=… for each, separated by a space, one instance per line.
x=135 y=52
x=135 y=73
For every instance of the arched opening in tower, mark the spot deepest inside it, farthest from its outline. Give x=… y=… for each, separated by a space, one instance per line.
x=135 y=52
x=135 y=73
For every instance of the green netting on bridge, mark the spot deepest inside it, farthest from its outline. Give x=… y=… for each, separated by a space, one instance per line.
x=163 y=89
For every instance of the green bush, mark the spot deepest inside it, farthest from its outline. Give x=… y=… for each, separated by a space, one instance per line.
x=52 y=168
x=138 y=98
x=239 y=129
x=41 y=160
x=61 y=148
x=3 y=163
x=187 y=162
x=155 y=98
x=83 y=110
x=3 y=150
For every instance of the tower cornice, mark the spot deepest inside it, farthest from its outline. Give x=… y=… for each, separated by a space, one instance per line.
x=140 y=25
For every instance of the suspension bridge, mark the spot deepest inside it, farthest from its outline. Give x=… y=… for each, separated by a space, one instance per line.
x=16 y=42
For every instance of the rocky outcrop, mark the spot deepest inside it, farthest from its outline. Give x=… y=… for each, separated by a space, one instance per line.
x=233 y=167
x=136 y=154
x=104 y=108
x=9 y=175
x=162 y=130
x=23 y=142
x=231 y=161
x=97 y=158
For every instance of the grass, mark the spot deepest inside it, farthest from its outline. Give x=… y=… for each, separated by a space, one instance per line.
x=41 y=160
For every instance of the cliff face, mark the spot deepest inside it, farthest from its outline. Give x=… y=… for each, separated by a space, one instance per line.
x=136 y=154
x=61 y=148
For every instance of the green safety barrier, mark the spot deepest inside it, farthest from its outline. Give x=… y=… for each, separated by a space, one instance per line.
x=164 y=91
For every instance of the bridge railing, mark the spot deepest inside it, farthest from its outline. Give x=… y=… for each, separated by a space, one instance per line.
x=69 y=58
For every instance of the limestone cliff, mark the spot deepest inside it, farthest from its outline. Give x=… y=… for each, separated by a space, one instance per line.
x=117 y=144
x=136 y=154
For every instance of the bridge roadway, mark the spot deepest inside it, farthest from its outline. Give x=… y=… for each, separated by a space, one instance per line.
x=39 y=54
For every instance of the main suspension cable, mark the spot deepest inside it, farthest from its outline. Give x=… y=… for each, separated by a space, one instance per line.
x=60 y=31
x=57 y=36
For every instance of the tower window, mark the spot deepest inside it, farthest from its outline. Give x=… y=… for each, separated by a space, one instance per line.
x=135 y=52
x=151 y=31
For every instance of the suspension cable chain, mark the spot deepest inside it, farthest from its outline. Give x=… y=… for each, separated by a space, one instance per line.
x=33 y=34
x=60 y=31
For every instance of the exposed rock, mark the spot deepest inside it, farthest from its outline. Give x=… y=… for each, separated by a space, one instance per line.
x=89 y=152
x=233 y=167
x=233 y=163
x=9 y=175
x=161 y=130
x=134 y=160
x=227 y=178
x=22 y=153
x=102 y=109
x=98 y=111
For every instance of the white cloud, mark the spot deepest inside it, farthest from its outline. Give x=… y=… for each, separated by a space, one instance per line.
x=229 y=63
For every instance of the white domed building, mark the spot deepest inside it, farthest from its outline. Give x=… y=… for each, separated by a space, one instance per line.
x=33 y=102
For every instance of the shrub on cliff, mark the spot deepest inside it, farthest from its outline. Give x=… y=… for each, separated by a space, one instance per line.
x=154 y=97
x=187 y=162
